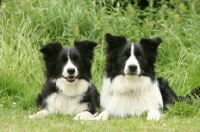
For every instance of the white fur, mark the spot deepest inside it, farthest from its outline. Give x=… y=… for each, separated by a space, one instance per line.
x=132 y=60
x=153 y=114
x=40 y=114
x=67 y=101
x=102 y=116
x=131 y=95
x=83 y=116
x=69 y=65
x=72 y=89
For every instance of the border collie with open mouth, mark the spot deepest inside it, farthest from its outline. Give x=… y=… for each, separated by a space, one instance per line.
x=130 y=86
x=68 y=88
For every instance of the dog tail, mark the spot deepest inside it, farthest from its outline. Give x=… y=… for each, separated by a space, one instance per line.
x=170 y=97
x=192 y=95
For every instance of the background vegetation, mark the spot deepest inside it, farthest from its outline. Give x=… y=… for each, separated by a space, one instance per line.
x=25 y=25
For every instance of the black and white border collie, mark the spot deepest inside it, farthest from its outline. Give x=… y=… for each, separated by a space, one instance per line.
x=130 y=86
x=68 y=88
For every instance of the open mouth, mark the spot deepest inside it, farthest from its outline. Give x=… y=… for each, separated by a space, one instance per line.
x=70 y=78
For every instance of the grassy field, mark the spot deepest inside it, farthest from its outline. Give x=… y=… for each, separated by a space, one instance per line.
x=26 y=25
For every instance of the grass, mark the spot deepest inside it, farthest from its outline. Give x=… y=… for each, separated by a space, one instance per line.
x=26 y=25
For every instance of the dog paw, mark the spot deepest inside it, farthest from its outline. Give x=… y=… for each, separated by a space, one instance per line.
x=39 y=114
x=102 y=116
x=31 y=116
x=83 y=116
x=153 y=114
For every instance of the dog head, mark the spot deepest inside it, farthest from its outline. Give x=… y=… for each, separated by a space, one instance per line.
x=69 y=63
x=130 y=59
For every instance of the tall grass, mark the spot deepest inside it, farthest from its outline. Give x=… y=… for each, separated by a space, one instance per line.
x=26 y=25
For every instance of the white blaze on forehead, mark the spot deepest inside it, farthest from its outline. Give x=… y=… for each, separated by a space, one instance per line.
x=132 y=60
x=69 y=65
x=132 y=49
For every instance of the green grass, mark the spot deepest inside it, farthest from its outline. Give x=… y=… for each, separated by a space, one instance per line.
x=26 y=25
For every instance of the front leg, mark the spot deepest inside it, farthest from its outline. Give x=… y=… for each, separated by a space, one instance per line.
x=153 y=114
x=40 y=114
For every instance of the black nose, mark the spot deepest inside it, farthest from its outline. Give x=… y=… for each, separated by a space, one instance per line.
x=132 y=68
x=71 y=70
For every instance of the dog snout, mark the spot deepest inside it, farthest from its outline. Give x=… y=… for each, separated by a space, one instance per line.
x=71 y=70
x=132 y=68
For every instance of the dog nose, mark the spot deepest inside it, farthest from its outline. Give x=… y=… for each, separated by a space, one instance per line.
x=132 y=68
x=71 y=70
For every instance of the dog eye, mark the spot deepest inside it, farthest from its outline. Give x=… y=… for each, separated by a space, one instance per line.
x=61 y=61
x=139 y=57
x=124 y=56
x=77 y=60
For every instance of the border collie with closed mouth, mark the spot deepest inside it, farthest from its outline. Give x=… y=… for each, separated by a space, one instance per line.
x=68 y=88
x=130 y=86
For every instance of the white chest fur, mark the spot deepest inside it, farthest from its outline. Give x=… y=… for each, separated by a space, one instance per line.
x=67 y=100
x=127 y=96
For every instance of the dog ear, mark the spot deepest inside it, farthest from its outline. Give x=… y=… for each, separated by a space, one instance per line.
x=150 y=47
x=115 y=41
x=86 y=47
x=152 y=44
x=50 y=53
x=50 y=49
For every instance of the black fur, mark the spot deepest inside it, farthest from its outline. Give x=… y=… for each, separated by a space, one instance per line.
x=168 y=95
x=55 y=57
x=118 y=50
x=146 y=53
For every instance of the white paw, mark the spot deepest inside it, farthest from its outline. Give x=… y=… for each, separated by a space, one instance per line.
x=31 y=116
x=83 y=116
x=153 y=114
x=39 y=114
x=102 y=116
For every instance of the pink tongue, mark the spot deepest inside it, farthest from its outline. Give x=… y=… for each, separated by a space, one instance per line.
x=71 y=78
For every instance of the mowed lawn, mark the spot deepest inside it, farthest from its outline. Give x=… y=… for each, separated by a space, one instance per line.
x=26 y=25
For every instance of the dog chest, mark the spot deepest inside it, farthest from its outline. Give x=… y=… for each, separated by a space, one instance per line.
x=123 y=97
x=58 y=103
